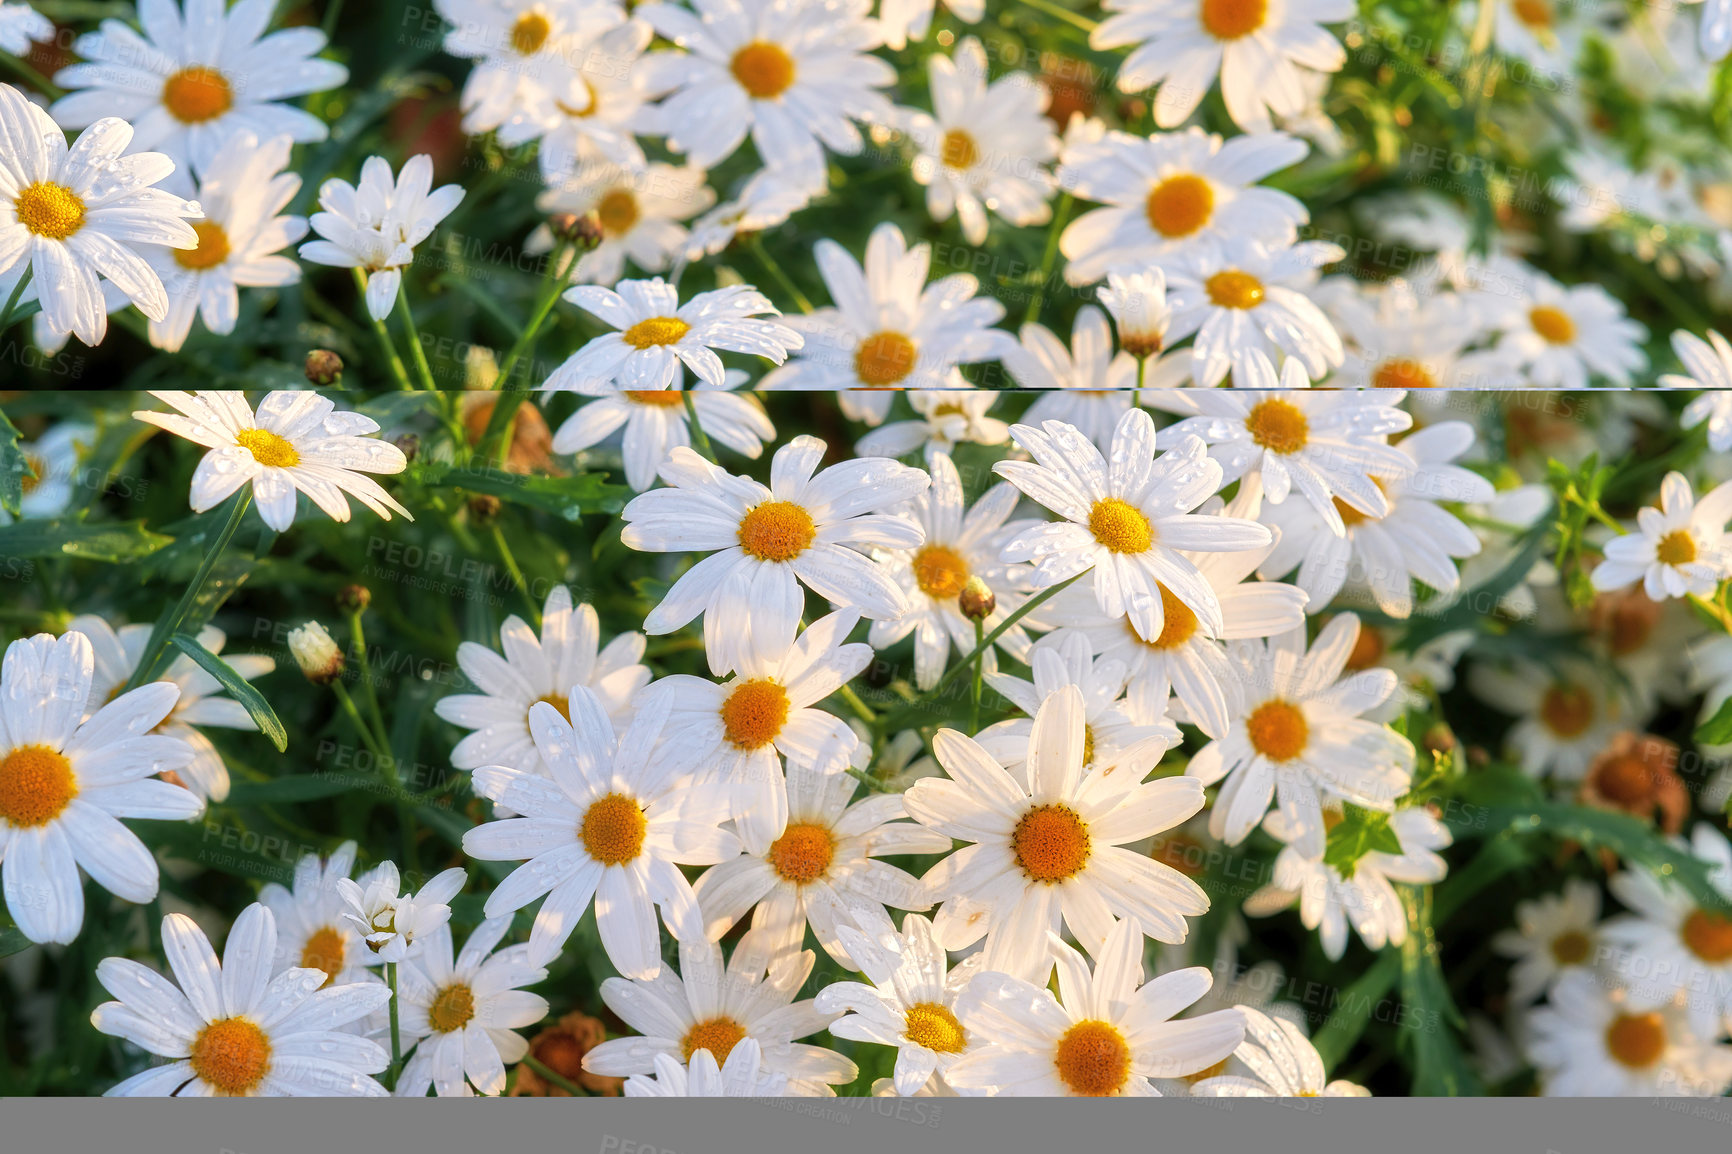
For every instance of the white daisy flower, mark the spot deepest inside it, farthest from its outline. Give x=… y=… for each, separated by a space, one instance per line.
x=656 y=423
x=1296 y=735
x=743 y=1076
x=394 y=925
x=77 y=216
x=1259 y=50
x=117 y=653
x=1173 y=192
x=590 y=108
x=1106 y=1035
x=1138 y=303
x=1562 y=336
x=945 y=418
x=900 y=21
x=614 y=825
x=65 y=778
x=801 y=529
x=706 y=1007
x=312 y=932
x=462 y=1016
x=198 y=77
x=233 y=1030
x=21 y=25
x=1398 y=337
x=1283 y=1062
x=530 y=669
x=1548 y=34
x=1589 y=1042
x=1125 y=521
x=375 y=226
x=1554 y=934
x=1051 y=847
x=766 y=200
x=1708 y=367
x=525 y=51
x=1678 y=548
x=638 y=210
x=1086 y=385
x=1564 y=719
x=54 y=460
x=297 y=441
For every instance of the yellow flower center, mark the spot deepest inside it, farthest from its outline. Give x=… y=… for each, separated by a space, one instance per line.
x=233 y=1055
x=803 y=853
x=1180 y=205
x=1533 y=13
x=1571 y=948
x=1368 y=649
x=268 y=449
x=1676 y=548
x=935 y=1027
x=1233 y=19
x=36 y=785
x=197 y=94
x=940 y=572
x=49 y=209
x=212 y=250
x=959 y=150
x=324 y=951
x=1567 y=710
x=1279 y=426
x=655 y=331
x=1051 y=843
x=777 y=531
x=558 y=700
x=1709 y=936
x=1178 y=623
x=717 y=1035
x=451 y=1009
x=1121 y=526
x=530 y=33
x=763 y=69
x=613 y=829
x=593 y=101
x=884 y=358
x=1403 y=373
x=1093 y=1059
x=663 y=398
x=1636 y=1040
x=1214 y=1071
x=1232 y=289
x=1552 y=324
x=617 y=212
x=1278 y=730
x=754 y=713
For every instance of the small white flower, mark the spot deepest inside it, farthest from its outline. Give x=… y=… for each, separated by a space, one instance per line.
x=656 y=423
x=1562 y=336
x=526 y=52
x=900 y=21
x=587 y=109
x=21 y=25
x=1679 y=548
x=1554 y=934
x=1138 y=303
x=1283 y=1062
x=1086 y=385
x=945 y=418
x=312 y=932
x=1565 y=718
x=392 y=924
x=638 y=211
x=742 y=1076
x=54 y=460
x=766 y=200
x=1708 y=367
x=1589 y=1042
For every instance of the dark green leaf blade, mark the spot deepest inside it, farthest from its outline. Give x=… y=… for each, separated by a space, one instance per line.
x=238 y=688
x=114 y=541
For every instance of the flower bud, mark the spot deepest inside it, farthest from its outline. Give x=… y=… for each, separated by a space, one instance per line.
x=409 y=444
x=582 y=232
x=316 y=654
x=976 y=601
x=324 y=367
x=484 y=507
x=354 y=598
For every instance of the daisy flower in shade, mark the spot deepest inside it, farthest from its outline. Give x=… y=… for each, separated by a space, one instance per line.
x=1172 y=192
x=1125 y=522
x=1051 y=848
x=238 y=1029
x=1554 y=935
x=198 y=77
x=795 y=73
x=1086 y=385
x=1708 y=367
x=900 y=21
x=1241 y=297
x=590 y=109
x=394 y=925
x=375 y=226
x=1564 y=719
x=1548 y=34
x=1678 y=549
x=1397 y=337
x=613 y=825
x=911 y=1003
x=1106 y=1035
x=1296 y=735
x=656 y=423
x=1331 y=446
x=801 y=529
x=77 y=216
x=117 y=654
x=707 y=1007
x=1283 y=1064
x=296 y=442
x=639 y=211
x=1563 y=335
x=53 y=461
x=945 y=418
x=889 y=327
x=524 y=50
x=1260 y=51
x=21 y=25
x=768 y=199
x=567 y=654
x=1588 y=1041
x=822 y=863
x=655 y=335
x=1138 y=303
x=738 y=733
x=742 y=1076
x=959 y=543
x=983 y=147
x=65 y=779
x=311 y=930
x=462 y=1015
x=1416 y=538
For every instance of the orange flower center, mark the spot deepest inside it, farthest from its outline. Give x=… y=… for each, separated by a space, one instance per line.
x=530 y=33
x=613 y=829
x=1051 y=843
x=1121 y=526
x=1233 y=289
x=1233 y=19
x=233 y=1055
x=717 y=1035
x=884 y=358
x=617 y=212
x=1180 y=205
x=754 y=713
x=36 y=786
x=1636 y=1040
x=940 y=572
x=763 y=69
x=1279 y=426
x=1093 y=1059
x=1278 y=730
x=933 y=1025
x=1567 y=710
x=197 y=94
x=803 y=853
x=1368 y=649
x=1403 y=373
x=212 y=250
x=1533 y=13
x=1553 y=324
x=1178 y=623
x=324 y=951
x=777 y=531
x=663 y=398
x=1709 y=936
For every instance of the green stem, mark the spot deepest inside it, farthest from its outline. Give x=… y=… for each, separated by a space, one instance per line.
x=380 y=754
x=1004 y=626
x=860 y=708
x=510 y=396
x=979 y=673
x=1062 y=13
x=557 y=1079
x=1142 y=370
x=358 y=640
x=1059 y=217
x=700 y=439
x=17 y=289
x=396 y=1032
x=156 y=655
x=384 y=335
x=781 y=277
x=331 y=14
x=517 y=577
x=30 y=76
x=413 y=336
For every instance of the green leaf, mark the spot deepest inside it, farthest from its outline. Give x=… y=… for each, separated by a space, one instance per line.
x=565 y=497
x=109 y=541
x=238 y=688
x=1717 y=730
x=1354 y=1008
x=1359 y=832
x=294 y=788
x=1429 y=1025
x=13 y=468
x=13 y=941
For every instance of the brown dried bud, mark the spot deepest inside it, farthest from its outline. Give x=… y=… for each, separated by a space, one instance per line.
x=409 y=444
x=582 y=232
x=324 y=367
x=484 y=506
x=354 y=598
x=561 y=1048
x=1638 y=775
x=976 y=601
x=1439 y=740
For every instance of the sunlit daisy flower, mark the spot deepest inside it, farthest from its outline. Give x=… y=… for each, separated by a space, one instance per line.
x=1564 y=335
x=1296 y=735
x=1173 y=192
x=567 y=654
x=656 y=335
x=766 y=200
x=983 y=148
x=54 y=460
x=1125 y=522
x=656 y=423
x=614 y=825
x=1708 y=367
x=960 y=543
x=1241 y=297
x=239 y=1029
x=707 y=1007
x=900 y=21
x=525 y=51
x=65 y=779
x=639 y=211
x=823 y=861
x=1106 y=1035
x=311 y=930
x=393 y=925
x=1678 y=548
x=21 y=25
x=889 y=328
x=198 y=77
x=296 y=442
x=1397 y=337
x=1086 y=385
x=1138 y=303
x=1051 y=845
x=1547 y=34
x=590 y=108
x=945 y=418
x=78 y=216
x=1283 y=1064
x=462 y=1015
x=801 y=529
x=1564 y=719
x=117 y=653
x=1554 y=935
x=795 y=73
x=1260 y=52
x=738 y=733
x=742 y=1076
x=375 y=226
x=1589 y=1042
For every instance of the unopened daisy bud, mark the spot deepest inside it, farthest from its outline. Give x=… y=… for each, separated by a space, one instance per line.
x=484 y=507
x=324 y=367
x=316 y=654
x=1439 y=739
x=354 y=598
x=976 y=601
x=409 y=445
x=581 y=231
